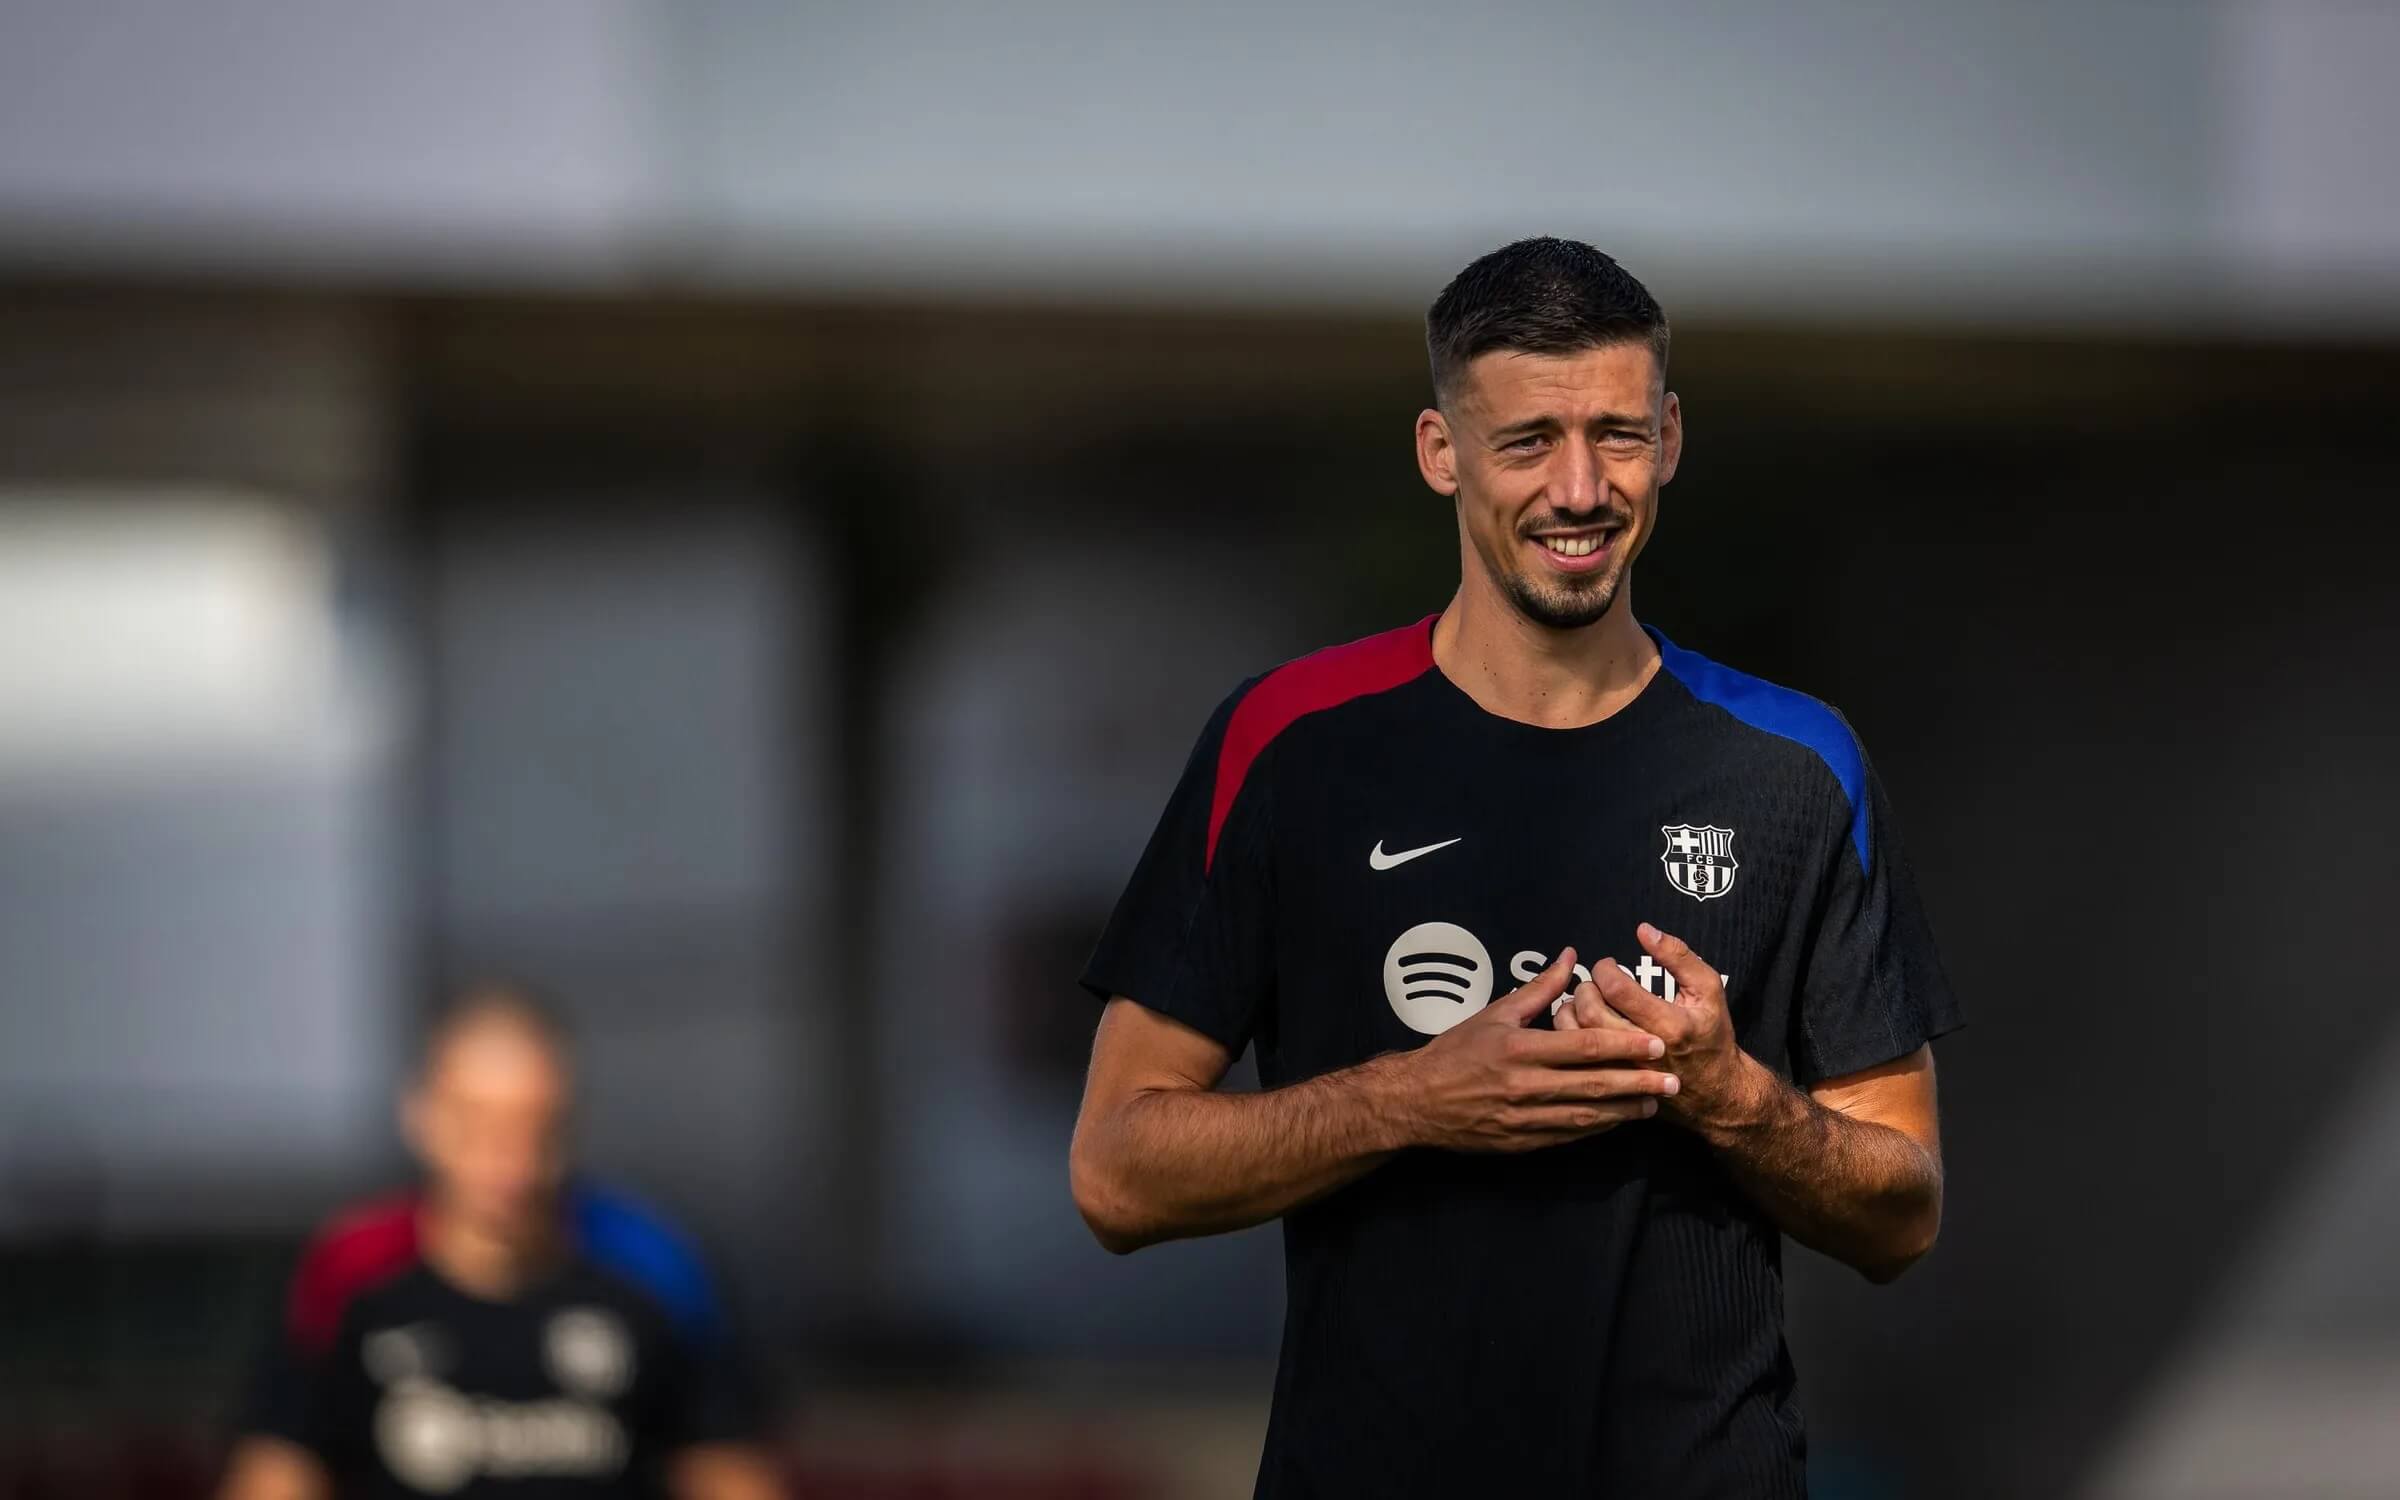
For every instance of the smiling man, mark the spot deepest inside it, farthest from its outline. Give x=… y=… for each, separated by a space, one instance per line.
x=1533 y=1235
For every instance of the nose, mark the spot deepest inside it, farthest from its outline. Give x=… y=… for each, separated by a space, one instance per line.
x=1579 y=488
x=514 y=1167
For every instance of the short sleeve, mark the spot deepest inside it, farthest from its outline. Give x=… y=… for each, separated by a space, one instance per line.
x=1872 y=989
x=303 y=1378
x=713 y=1395
x=1190 y=937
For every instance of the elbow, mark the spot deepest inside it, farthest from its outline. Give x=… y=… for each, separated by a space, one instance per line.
x=1105 y=1202
x=1114 y=1232
x=1909 y=1242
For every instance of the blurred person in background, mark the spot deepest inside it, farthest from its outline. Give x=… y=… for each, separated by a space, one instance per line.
x=503 y=1329
x=1532 y=1243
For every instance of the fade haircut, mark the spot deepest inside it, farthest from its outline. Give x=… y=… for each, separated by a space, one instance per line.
x=1538 y=296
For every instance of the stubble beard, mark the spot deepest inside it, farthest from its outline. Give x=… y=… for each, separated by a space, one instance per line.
x=1564 y=606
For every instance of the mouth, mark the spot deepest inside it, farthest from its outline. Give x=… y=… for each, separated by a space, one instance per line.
x=1578 y=551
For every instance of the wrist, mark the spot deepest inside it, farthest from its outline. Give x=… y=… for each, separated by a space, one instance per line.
x=1389 y=1119
x=1748 y=1101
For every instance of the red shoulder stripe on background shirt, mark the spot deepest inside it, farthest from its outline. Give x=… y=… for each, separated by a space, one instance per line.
x=362 y=1248
x=1318 y=681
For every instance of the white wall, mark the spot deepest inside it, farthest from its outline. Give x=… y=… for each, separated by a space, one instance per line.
x=487 y=140
x=2082 y=159
x=196 y=914
x=200 y=762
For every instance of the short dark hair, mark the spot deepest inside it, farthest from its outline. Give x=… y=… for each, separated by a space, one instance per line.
x=1539 y=296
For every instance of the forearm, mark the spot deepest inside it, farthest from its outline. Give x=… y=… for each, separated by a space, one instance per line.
x=1169 y=1163
x=1864 y=1193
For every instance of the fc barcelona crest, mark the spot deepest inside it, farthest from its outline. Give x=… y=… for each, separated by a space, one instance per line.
x=1699 y=861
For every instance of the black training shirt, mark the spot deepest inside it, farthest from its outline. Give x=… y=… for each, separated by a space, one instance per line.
x=1359 y=857
x=584 y=1387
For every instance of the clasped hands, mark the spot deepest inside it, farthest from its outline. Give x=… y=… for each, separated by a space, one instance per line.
x=1496 y=1083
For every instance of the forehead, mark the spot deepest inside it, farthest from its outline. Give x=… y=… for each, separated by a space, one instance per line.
x=1510 y=385
x=496 y=1058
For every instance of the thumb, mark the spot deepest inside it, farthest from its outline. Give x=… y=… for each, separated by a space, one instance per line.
x=1692 y=974
x=1532 y=998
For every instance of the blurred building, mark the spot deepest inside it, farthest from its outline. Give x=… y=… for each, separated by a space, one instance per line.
x=738 y=511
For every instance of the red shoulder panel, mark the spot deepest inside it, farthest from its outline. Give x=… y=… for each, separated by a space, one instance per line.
x=366 y=1246
x=1315 y=682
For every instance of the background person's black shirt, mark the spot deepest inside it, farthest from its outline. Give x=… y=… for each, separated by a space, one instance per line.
x=1358 y=857
x=580 y=1388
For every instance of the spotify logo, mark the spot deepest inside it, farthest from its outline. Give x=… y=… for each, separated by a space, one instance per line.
x=1436 y=976
x=428 y=1436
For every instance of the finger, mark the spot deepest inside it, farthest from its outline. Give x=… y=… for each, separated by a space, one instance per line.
x=1637 y=1005
x=1588 y=1047
x=1564 y=1122
x=1563 y=1017
x=1520 y=1005
x=1592 y=1011
x=1594 y=1085
x=1693 y=976
x=1626 y=1083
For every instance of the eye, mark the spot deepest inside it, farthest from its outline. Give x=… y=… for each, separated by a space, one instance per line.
x=1525 y=444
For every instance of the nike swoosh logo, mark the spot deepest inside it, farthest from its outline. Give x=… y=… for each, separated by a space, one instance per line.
x=1378 y=860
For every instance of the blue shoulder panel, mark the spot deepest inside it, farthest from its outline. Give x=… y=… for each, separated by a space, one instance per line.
x=1782 y=712
x=633 y=1241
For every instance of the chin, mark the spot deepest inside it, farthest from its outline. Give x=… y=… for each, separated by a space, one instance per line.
x=1564 y=609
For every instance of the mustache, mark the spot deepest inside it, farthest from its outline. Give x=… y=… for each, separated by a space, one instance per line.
x=1551 y=520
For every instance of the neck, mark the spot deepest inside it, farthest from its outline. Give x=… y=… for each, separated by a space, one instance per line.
x=473 y=1258
x=1558 y=679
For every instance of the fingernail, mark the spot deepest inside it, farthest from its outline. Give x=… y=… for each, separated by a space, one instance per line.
x=1674 y=1085
x=1649 y=933
x=1649 y=1106
x=1657 y=1047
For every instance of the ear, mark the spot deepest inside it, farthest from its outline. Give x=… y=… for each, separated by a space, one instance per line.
x=1437 y=456
x=1670 y=438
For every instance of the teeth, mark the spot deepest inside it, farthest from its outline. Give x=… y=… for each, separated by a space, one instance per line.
x=1572 y=546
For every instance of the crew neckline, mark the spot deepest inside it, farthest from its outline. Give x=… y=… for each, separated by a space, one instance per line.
x=1634 y=708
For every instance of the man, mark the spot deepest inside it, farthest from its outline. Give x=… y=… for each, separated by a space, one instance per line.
x=1526 y=1255
x=501 y=1331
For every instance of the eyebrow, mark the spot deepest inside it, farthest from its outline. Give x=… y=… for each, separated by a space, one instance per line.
x=1550 y=424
